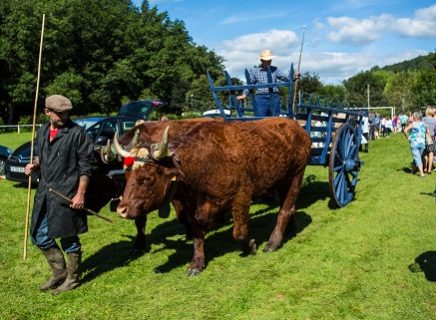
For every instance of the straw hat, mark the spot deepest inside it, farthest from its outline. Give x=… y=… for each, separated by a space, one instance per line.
x=58 y=103
x=266 y=55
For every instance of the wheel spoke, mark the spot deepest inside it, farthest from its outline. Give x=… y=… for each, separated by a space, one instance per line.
x=343 y=190
x=340 y=167
x=352 y=151
x=349 y=142
x=337 y=179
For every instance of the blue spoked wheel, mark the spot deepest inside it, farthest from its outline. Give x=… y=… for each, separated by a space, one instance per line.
x=344 y=165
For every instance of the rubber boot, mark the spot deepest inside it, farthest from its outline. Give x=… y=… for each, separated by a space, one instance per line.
x=55 y=259
x=72 y=280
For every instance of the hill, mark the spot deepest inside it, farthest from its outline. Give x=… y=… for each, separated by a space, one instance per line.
x=418 y=63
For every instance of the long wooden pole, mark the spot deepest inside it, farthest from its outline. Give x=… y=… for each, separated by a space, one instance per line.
x=298 y=71
x=29 y=187
x=89 y=211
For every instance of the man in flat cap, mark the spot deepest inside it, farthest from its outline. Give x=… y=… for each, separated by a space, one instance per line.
x=267 y=99
x=64 y=155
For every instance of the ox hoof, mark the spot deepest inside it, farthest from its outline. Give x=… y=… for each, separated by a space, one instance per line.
x=270 y=247
x=193 y=272
x=249 y=248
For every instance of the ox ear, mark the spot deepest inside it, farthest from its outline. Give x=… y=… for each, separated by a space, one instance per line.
x=174 y=174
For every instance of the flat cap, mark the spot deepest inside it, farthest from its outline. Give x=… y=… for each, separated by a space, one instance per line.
x=58 y=103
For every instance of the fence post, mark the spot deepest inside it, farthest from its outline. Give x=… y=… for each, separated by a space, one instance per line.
x=18 y=127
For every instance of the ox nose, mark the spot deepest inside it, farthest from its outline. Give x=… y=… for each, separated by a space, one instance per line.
x=122 y=211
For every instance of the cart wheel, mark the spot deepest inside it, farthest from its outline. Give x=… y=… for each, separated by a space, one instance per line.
x=344 y=165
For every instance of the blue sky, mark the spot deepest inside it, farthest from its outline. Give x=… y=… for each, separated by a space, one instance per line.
x=342 y=38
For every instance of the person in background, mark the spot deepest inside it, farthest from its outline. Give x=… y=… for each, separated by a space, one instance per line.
x=383 y=126
x=395 y=123
x=372 y=126
x=430 y=122
x=388 y=127
x=64 y=155
x=365 y=131
x=415 y=133
x=267 y=102
x=403 y=121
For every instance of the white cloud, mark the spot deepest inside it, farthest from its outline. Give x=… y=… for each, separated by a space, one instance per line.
x=423 y=25
x=250 y=17
x=243 y=52
x=275 y=40
x=357 y=31
x=363 y=31
x=332 y=67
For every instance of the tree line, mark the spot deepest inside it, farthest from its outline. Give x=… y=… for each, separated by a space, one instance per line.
x=100 y=54
x=104 y=53
x=410 y=85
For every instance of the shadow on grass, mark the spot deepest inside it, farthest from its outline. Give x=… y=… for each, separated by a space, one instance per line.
x=312 y=191
x=219 y=243
x=425 y=262
x=110 y=257
x=407 y=170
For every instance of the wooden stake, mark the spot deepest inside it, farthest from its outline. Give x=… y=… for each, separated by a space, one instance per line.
x=298 y=71
x=29 y=187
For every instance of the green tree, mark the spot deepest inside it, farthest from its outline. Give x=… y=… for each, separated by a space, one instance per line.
x=399 y=91
x=310 y=84
x=357 y=89
x=99 y=53
x=424 y=88
x=335 y=93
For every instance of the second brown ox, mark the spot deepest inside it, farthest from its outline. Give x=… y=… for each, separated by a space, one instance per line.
x=220 y=166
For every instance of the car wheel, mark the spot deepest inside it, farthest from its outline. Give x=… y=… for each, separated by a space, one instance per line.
x=2 y=166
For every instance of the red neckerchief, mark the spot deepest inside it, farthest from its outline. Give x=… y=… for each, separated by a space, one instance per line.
x=53 y=133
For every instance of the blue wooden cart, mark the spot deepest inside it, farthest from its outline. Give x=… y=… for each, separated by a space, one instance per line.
x=335 y=132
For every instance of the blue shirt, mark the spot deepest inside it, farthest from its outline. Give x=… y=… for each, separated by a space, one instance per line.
x=417 y=135
x=259 y=76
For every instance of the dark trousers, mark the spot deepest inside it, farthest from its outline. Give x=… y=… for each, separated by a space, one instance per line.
x=365 y=146
x=372 y=132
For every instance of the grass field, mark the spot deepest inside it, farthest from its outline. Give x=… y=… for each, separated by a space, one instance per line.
x=349 y=263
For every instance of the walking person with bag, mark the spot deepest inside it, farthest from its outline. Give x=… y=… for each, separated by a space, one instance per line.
x=430 y=122
x=415 y=133
x=64 y=155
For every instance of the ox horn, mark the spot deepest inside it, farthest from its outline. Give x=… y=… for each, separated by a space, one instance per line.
x=106 y=154
x=160 y=150
x=118 y=147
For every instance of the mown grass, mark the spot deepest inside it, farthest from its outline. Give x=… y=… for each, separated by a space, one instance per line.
x=13 y=140
x=349 y=263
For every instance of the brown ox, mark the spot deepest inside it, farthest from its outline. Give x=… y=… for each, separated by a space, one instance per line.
x=148 y=132
x=220 y=166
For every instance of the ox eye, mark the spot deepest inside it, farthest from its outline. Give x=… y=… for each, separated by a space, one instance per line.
x=145 y=179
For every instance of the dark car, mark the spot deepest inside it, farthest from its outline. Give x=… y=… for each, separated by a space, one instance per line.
x=5 y=152
x=99 y=133
x=16 y=163
x=88 y=121
x=104 y=130
x=140 y=109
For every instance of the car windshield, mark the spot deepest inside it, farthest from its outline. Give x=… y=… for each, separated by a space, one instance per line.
x=87 y=122
x=136 y=107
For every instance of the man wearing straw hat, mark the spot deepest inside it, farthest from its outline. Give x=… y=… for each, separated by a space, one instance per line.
x=267 y=103
x=64 y=155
